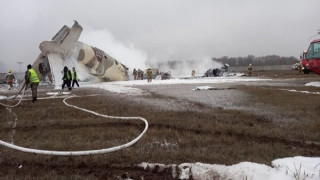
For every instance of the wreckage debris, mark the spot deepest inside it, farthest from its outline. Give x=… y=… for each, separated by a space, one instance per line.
x=223 y=71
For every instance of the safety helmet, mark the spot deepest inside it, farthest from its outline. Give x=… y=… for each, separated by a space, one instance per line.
x=10 y=71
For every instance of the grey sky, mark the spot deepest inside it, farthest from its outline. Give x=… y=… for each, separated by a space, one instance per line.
x=162 y=30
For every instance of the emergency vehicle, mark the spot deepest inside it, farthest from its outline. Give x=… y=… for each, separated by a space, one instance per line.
x=311 y=58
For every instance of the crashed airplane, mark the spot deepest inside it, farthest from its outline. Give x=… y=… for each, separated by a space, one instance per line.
x=65 y=50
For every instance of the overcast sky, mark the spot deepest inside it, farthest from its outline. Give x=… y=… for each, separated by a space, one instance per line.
x=159 y=30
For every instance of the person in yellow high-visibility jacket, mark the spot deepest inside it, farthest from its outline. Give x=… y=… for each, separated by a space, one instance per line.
x=67 y=77
x=32 y=78
x=74 y=77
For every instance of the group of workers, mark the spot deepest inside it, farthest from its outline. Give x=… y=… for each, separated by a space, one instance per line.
x=32 y=79
x=69 y=76
x=138 y=74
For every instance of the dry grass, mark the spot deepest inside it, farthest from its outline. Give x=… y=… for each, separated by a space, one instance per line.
x=212 y=135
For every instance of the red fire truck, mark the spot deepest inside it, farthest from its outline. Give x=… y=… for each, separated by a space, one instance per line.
x=311 y=58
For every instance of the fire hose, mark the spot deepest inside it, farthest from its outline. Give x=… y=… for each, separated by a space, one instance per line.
x=79 y=153
x=12 y=106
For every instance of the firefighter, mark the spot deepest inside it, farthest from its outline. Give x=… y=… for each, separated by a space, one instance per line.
x=10 y=79
x=250 y=69
x=74 y=77
x=139 y=74
x=193 y=73
x=149 y=74
x=32 y=78
x=67 y=76
x=134 y=74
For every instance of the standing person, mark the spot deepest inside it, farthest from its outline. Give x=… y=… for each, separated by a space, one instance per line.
x=10 y=79
x=66 y=78
x=74 y=77
x=135 y=74
x=193 y=73
x=139 y=74
x=32 y=78
x=149 y=74
x=250 y=69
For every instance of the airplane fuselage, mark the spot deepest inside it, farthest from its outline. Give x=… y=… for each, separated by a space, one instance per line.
x=101 y=64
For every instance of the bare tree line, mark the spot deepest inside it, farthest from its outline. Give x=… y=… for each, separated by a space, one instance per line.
x=257 y=61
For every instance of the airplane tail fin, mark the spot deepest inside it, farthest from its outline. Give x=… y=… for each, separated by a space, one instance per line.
x=63 y=42
x=69 y=40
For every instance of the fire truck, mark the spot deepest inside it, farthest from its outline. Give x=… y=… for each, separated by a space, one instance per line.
x=311 y=58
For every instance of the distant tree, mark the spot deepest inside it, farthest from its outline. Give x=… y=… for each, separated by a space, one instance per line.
x=258 y=61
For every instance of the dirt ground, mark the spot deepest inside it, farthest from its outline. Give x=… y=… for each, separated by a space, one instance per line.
x=235 y=122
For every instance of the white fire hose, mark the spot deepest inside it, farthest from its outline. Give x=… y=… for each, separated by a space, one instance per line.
x=12 y=106
x=80 y=153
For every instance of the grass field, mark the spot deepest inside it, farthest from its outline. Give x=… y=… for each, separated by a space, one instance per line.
x=284 y=124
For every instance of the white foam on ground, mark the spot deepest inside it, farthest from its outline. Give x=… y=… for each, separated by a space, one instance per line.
x=114 y=88
x=128 y=86
x=316 y=84
x=190 y=81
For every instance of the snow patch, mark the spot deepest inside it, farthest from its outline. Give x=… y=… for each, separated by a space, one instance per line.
x=306 y=92
x=316 y=84
x=3 y=97
x=56 y=93
x=283 y=169
x=299 y=167
x=203 y=88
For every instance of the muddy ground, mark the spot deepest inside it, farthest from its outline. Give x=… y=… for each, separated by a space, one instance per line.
x=235 y=122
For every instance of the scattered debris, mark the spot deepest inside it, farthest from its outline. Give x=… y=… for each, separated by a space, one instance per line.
x=223 y=71
x=165 y=75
